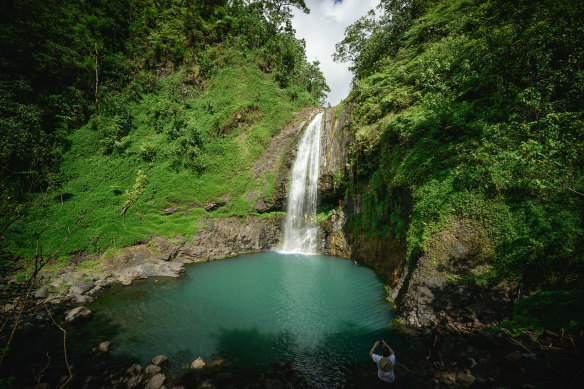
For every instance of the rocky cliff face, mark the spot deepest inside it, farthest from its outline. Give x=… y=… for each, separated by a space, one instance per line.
x=382 y=254
x=428 y=288
x=223 y=238
x=278 y=160
x=431 y=287
x=336 y=138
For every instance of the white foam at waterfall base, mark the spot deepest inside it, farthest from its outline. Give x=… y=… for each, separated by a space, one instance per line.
x=299 y=231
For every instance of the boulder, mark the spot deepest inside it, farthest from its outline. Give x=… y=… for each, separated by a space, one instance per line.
x=135 y=369
x=156 y=382
x=78 y=315
x=135 y=380
x=159 y=360
x=153 y=268
x=170 y=211
x=82 y=287
x=152 y=369
x=102 y=282
x=135 y=376
x=81 y=299
x=198 y=363
x=42 y=293
x=104 y=347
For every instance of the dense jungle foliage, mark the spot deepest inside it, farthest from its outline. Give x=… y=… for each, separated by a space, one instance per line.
x=475 y=108
x=124 y=108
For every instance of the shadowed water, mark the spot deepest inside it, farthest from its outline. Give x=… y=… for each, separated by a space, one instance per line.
x=316 y=311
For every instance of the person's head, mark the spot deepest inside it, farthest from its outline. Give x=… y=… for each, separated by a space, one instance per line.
x=433 y=323
x=385 y=351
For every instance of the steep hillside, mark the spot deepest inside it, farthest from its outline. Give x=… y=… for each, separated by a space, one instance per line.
x=157 y=112
x=184 y=150
x=468 y=150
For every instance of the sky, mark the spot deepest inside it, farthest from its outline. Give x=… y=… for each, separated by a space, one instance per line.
x=322 y=29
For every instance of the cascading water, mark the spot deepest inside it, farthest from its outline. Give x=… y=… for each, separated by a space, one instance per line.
x=300 y=226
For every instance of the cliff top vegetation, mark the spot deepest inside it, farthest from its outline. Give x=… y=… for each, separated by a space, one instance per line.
x=473 y=108
x=126 y=108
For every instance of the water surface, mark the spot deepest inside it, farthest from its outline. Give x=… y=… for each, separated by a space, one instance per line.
x=318 y=312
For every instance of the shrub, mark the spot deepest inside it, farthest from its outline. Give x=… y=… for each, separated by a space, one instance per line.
x=147 y=152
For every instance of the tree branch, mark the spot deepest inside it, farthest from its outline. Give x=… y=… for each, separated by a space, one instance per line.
x=42 y=372
x=567 y=187
x=39 y=264
x=64 y=348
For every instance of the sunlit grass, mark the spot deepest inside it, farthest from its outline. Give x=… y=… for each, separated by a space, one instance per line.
x=96 y=183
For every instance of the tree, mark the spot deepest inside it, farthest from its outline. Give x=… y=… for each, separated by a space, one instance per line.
x=372 y=37
x=279 y=12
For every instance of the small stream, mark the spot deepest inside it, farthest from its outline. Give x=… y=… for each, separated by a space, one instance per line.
x=318 y=312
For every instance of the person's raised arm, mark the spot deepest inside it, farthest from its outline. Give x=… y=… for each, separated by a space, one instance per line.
x=373 y=348
x=387 y=345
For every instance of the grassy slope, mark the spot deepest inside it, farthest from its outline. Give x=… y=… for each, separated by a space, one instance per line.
x=99 y=181
x=474 y=117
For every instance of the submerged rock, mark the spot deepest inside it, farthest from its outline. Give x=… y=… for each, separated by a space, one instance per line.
x=198 y=363
x=104 y=347
x=78 y=315
x=159 y=360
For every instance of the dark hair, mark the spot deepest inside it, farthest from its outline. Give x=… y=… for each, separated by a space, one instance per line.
x=385 y=351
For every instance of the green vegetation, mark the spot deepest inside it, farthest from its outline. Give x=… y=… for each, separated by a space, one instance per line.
x=126 y=108
x=339 y=110
x=554 y=310
x=474 y=108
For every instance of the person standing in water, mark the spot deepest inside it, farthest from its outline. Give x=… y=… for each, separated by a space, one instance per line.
x=384 y=362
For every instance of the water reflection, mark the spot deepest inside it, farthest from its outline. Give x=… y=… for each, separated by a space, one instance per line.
x=317 y=312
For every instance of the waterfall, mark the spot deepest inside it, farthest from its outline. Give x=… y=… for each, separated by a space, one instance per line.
x=299 y=230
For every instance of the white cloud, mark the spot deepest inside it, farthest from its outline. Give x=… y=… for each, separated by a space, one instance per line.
x=322 y=29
